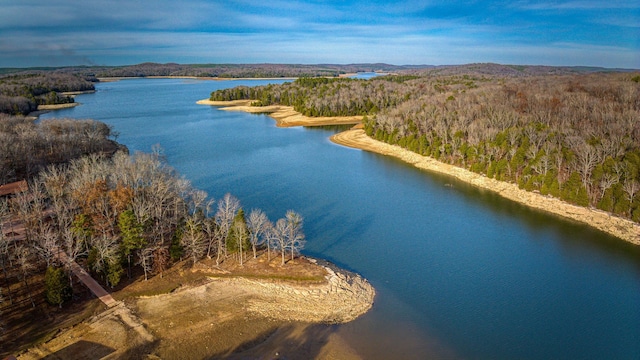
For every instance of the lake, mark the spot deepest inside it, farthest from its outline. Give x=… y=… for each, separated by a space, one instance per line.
x=459 y=272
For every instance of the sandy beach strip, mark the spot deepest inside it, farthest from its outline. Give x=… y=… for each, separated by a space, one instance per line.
x=57 y=106
x=622 y=228
x=285 y=116
x=74 y=93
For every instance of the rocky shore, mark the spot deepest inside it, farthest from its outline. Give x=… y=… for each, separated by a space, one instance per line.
x=344 y=297
x=223 y=312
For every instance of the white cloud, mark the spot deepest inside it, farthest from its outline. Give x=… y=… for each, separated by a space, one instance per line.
x=577 y=5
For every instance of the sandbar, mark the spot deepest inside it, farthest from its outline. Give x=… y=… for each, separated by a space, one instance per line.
x=57 y=106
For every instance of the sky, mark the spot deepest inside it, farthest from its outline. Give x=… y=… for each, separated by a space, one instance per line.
x=428 y=32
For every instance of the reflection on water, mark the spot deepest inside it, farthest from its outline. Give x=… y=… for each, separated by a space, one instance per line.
x=460 y=272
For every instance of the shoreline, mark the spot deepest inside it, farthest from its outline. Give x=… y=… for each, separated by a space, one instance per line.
x=356 y=138
x=621 y=228
x=285 y=116
x=211 y=78
x=57 y=106
x=217 y=311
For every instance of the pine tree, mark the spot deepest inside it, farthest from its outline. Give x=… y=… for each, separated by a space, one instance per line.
x=58 y=289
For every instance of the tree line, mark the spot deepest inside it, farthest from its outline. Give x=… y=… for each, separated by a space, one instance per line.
x=113 y=214
x=22 y=93
x=325 y=96
x=232 y=70
x=574 y=137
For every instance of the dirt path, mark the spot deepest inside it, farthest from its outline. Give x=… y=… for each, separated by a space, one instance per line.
x=115 y=333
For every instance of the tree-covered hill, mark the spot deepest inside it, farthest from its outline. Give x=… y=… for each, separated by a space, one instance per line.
x=235 y=70
x=21 y=93
x=575 y=137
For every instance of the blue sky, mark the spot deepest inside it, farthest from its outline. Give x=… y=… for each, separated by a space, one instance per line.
x=120 y=32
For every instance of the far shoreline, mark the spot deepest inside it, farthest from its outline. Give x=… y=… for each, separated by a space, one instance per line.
x=209 y=78
x=285 y=116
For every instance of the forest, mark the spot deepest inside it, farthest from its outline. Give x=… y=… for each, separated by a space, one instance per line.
x=217 y=70
x=115 y=214
x=22 y=90
x=575 y=137
x=28 y=147
x=236 y=70
x=22 y=93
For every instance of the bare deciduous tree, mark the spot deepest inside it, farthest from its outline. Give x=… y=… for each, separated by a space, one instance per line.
x=257 y=223
x=294 y=235
x=227 y=209
x=279 y=237
x=193 y=239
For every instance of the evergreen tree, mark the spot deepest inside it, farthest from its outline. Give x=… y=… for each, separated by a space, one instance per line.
x=58 y=289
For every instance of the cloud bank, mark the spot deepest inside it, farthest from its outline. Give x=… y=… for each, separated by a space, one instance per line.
x=116 y=32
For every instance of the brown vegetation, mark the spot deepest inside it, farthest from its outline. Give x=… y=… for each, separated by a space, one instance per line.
x=574 y=137
x=28 y=147
x=123 y=215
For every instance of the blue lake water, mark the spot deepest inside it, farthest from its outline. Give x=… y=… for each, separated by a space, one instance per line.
x=459 y=272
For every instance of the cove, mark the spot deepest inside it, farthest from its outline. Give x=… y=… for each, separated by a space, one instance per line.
x=459 y=272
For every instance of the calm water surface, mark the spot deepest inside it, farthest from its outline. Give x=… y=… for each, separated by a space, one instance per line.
x=460 y=272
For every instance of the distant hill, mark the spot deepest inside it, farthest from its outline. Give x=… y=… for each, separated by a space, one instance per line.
x=512 y=70
x=307 y=70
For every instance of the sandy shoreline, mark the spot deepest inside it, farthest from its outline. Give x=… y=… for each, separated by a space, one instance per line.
x=624 y=229
x=356 y=138
x=285 y=116
x=57 y=106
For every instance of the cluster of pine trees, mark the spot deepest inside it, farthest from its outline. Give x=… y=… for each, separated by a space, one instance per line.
x=575 y=137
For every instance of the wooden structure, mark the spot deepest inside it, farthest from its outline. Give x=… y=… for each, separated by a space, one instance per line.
x=14 y=188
